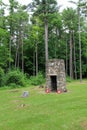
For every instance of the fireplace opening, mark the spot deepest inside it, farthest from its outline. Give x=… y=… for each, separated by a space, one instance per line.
x=53 y=83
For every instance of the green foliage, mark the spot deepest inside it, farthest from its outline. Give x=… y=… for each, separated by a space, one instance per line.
x=16 y=30
x=37 y=80
x=4 y=52
x=1 y=77
x=44 y=8
x=70 y=18
x=68 y=79
x=15 y=78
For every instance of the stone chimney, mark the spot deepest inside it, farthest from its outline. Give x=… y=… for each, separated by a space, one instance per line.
x=55 y=75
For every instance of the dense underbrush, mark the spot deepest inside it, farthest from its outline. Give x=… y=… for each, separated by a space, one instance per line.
x=15 y=78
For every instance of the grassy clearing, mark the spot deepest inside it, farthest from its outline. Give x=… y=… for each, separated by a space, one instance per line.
x=40 y=111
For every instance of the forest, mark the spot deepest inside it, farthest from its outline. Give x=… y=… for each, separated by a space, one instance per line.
x=31 y=34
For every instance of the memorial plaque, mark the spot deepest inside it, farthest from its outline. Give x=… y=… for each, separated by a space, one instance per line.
x=25 y=94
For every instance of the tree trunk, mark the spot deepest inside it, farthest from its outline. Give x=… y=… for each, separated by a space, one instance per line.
x=22 y=54
x=17 y=48
x=19 y=44
x=66 y=59
x=33 y=63
x=71 y=66
x=10 y=53
x=11 y=29
x=74 y=56
x=46 y=39
x=80 y=46
x=36 y=59
x=46 y=45
x=16 y=56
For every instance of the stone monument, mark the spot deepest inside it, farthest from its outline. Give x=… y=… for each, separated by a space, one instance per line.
x=55 y=75
x=25 y=94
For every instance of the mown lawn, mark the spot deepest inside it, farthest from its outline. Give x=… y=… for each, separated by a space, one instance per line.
x=41 y=111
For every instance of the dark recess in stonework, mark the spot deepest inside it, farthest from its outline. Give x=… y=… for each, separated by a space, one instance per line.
x=53 y=83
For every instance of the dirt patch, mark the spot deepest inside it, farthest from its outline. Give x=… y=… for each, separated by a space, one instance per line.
x=15 y=101
x=41 y=86
x=84 y=125
x=42 y=92
x=14 y=91
x=21 y=105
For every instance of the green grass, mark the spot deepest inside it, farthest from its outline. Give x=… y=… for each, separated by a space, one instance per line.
x=41 y=111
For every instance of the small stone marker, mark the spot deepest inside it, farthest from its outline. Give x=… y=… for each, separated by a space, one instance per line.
x=25 y=94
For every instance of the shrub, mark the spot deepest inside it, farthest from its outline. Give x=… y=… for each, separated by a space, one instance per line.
x=15 y=78
x=68 y=79
x=37 y=80
x=1 y=77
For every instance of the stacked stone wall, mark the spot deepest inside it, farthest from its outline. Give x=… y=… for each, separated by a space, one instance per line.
x=56 y=67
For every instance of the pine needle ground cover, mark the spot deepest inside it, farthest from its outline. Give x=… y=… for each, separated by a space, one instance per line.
x=41 y=111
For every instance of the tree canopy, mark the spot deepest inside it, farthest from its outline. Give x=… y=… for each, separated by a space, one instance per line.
x=31 y=34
